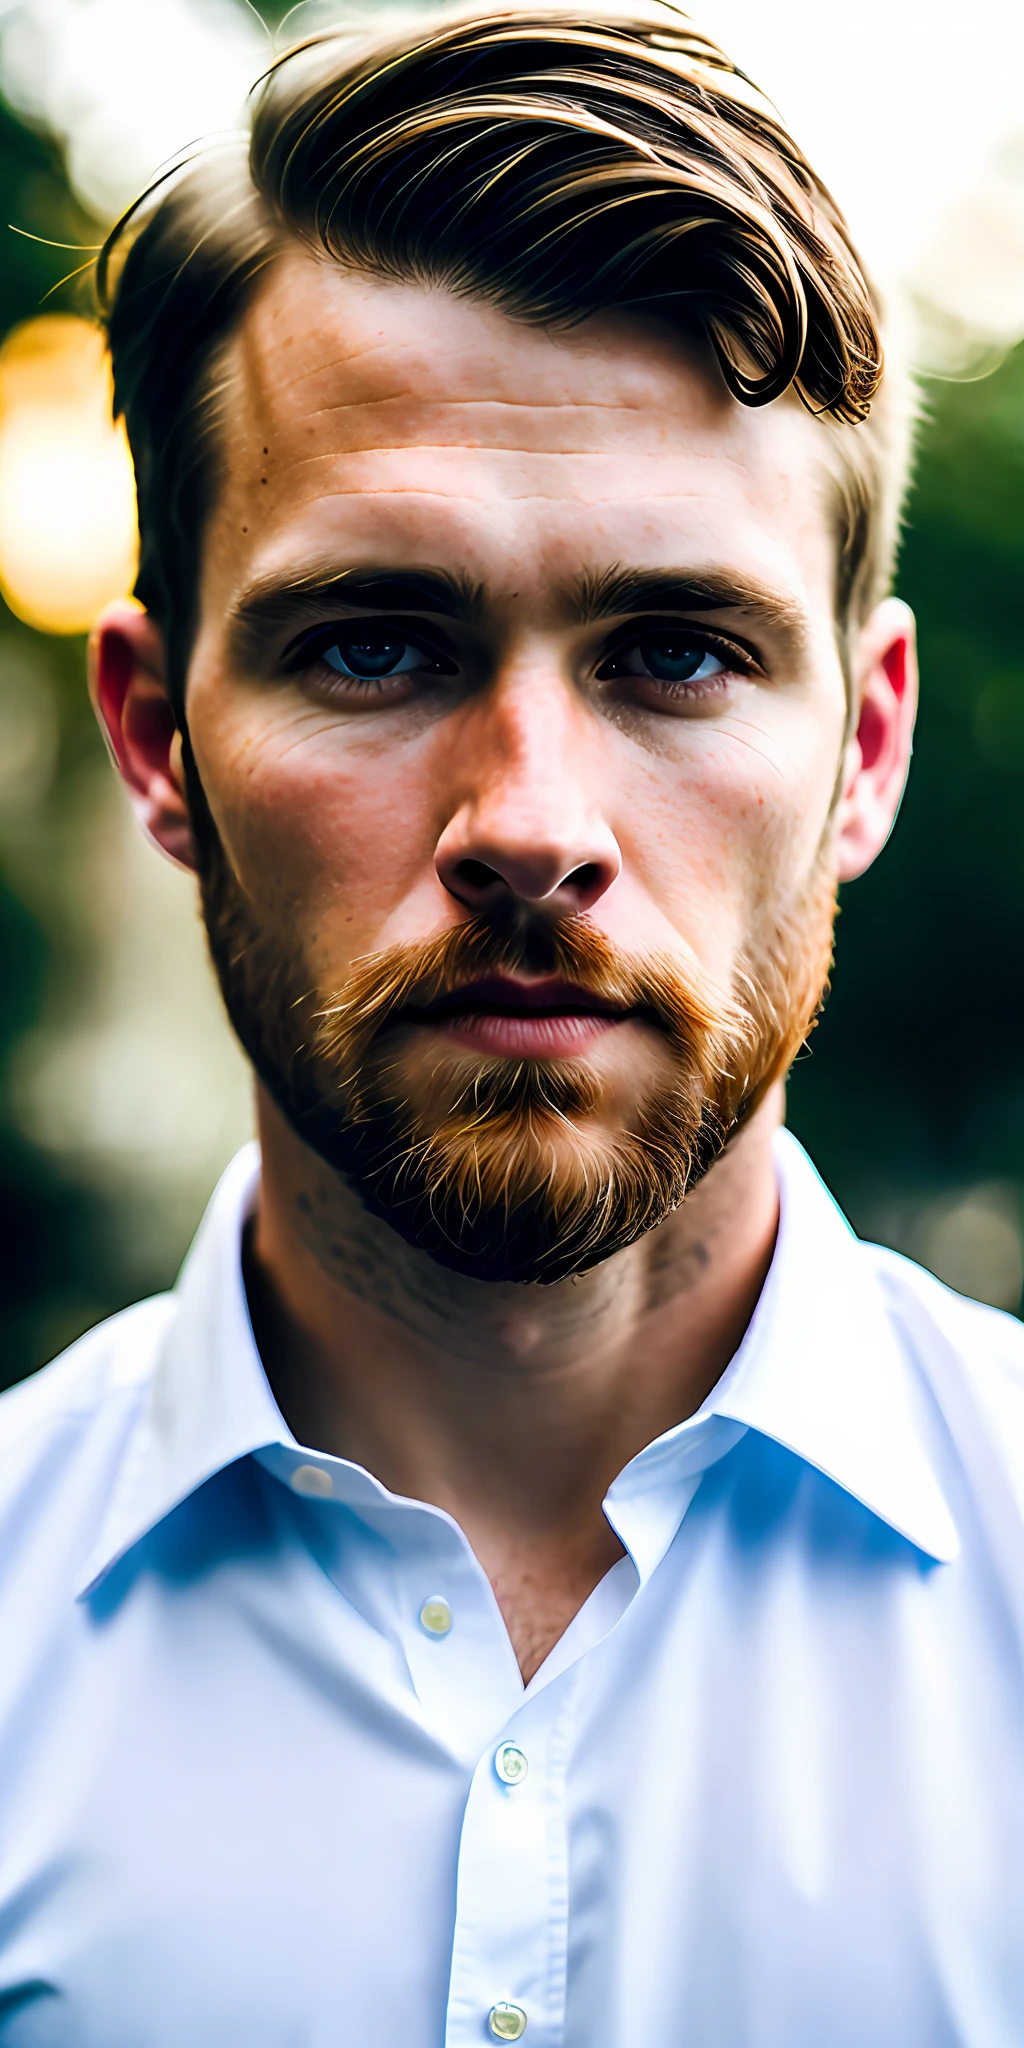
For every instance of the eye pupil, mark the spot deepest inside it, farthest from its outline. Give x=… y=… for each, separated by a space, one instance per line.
x=671 y=660
x=373 y=654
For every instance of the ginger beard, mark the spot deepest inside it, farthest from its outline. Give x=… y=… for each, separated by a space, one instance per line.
x=507 y=1168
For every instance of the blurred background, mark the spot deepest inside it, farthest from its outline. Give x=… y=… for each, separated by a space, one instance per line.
x=121 y=1092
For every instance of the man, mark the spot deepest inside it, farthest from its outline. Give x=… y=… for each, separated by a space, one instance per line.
x=538 y=1574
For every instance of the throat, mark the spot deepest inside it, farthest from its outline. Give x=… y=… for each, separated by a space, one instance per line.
x=512 y=1408
x=541 y=1595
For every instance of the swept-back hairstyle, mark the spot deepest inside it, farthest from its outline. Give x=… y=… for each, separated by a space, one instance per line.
x=555 y=162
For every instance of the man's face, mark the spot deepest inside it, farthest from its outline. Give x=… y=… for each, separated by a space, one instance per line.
x=504 y=632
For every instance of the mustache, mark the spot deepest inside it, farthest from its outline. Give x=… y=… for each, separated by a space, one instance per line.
x=483 y=1185
x=505 y=1168
x=380 y=986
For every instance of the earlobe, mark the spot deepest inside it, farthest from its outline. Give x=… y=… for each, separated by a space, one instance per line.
x=878 y=754
x=129 y=694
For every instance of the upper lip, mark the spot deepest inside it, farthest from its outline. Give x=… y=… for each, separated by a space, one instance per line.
x=548 y=997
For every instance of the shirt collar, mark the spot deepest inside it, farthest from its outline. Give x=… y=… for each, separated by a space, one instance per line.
x=823 y=1370
x=208 y=1401
x=820 y=1370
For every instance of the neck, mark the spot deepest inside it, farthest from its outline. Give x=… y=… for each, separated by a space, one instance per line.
x=511 y=1407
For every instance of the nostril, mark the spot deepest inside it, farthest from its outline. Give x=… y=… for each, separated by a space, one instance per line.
x=476 y=874
x=586 y=880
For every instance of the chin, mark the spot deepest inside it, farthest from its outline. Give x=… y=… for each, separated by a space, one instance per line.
x=527 y=1181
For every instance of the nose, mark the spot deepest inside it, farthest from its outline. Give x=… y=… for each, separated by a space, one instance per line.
x=527 y=828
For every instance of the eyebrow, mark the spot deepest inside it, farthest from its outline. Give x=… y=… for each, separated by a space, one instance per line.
x=282 y=602
x=616 y=592
x=287 y=602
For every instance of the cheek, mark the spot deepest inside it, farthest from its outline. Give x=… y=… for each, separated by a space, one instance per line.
x=729 y=821
x=328 y=838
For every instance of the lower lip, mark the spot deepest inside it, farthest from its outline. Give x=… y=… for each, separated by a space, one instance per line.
x=517 y=1034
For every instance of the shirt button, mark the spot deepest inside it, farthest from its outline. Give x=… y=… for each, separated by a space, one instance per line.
x=312 y=1479
x=507 y=2022
x=511 y=1766
x=436 y=1618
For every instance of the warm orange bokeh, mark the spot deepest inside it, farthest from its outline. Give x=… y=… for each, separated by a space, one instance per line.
x=68 y=538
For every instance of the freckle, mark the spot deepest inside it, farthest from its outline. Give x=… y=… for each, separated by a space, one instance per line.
x=303 y=1202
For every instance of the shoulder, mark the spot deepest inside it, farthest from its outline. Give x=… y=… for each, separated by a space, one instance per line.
x=970 y=1356
x=76 y=1411
x=64 y=1434
x=988 y=1342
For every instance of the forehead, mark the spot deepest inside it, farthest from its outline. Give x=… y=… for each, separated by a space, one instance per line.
x=381 y=421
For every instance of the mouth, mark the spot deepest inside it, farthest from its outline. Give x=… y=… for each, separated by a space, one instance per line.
x=503 y=1016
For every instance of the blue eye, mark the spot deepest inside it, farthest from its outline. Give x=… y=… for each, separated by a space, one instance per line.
x=670 y=658
x=370 y=655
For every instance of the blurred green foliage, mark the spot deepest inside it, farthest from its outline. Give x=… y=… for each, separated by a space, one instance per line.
x=58 y=1263
x=54 y=1257
x=37 y=211
x=915 y=1079
x=914 y=1083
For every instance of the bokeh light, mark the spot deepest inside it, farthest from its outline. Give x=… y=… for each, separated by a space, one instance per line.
x=67 y=491
x=126 y=84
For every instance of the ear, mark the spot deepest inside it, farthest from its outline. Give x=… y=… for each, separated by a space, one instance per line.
x=129 y=693
x=878 y=752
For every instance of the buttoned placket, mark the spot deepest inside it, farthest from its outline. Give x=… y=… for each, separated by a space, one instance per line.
x=511 y=1923
x=510 y=1939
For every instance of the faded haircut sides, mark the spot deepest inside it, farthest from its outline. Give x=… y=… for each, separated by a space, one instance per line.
x=555 y=162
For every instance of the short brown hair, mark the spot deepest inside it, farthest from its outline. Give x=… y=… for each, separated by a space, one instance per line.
x=553 y=162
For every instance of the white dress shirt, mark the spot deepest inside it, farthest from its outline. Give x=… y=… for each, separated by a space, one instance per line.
x=270 y=1778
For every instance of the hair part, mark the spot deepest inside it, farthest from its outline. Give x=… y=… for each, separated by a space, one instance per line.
x=555 y=163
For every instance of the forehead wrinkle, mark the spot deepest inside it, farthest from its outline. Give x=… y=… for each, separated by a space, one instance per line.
x=449 y=403
x=655 y=462
x=427 y=404
x=551 y=456
x=257 y=356
x=412 y=416
x=418 y=435
x=460 y=496
x=260 y=357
